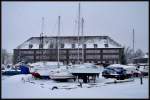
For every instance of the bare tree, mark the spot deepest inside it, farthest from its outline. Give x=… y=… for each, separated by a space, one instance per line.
x=129 y=54
x=4 y=56
x=139 y=53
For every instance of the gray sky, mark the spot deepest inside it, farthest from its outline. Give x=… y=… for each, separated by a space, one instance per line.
x=22 y=20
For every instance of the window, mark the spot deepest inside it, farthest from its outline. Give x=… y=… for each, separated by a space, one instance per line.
x=73 y=45
x=95 y=45
x=51 y=46
x=84 y=45
x=46 y=42
x=30 y=46
x=106 y=45
x=62 y=45
x=40 y=46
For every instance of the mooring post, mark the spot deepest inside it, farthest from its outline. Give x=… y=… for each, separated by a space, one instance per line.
x=141 y=80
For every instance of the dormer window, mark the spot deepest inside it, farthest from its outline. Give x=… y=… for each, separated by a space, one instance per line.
x=95 y=45
x=40 y=46
x=84 y=45
x=106 y=45
x=30 y=46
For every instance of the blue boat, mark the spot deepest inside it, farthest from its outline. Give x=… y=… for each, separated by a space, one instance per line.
x=11 y=72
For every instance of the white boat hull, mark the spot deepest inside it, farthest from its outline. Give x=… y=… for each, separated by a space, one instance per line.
x=62 y=77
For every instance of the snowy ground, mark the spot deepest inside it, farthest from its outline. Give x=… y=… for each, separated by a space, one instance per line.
x=24 y=86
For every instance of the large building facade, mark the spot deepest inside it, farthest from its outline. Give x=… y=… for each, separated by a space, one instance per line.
x=72 y=49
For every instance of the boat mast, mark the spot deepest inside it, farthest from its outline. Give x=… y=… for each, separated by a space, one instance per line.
x=58 y=40
x=82 y=41
x=133 y=40
x=41 y=37
x=78 y=31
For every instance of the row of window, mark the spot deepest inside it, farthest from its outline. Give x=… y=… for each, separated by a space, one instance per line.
x=116 y=51
x=74 y=57
x=62 y=46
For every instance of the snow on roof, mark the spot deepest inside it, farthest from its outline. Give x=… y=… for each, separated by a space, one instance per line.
x=84 y=68
x=69 y=40
x=88 y=70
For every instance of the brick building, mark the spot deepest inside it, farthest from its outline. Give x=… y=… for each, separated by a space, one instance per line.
x=97 y=49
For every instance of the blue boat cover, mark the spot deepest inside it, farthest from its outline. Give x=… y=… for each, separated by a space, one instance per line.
x=24 y=69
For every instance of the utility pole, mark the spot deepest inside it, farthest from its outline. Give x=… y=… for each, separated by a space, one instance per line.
x=82 y=41
x=58 y=39
x=78 y=31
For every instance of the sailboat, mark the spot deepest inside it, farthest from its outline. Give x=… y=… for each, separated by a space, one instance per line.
x=60 y=73
x=42 y=69
x=83 y=70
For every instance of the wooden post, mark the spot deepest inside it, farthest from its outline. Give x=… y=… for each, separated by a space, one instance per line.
x=94 y=78
x=141 y=80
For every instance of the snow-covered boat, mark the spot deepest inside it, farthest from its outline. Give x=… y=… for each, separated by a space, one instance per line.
x=11 y=70
x=84 y=68
x=61 y=74
x=43 y=69
x=85 y=71
x=129 y=68
x=120 y=71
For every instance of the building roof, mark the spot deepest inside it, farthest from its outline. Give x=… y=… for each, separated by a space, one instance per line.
x=69 y=40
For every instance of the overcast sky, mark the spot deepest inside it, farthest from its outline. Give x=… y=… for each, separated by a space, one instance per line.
x=22 y=20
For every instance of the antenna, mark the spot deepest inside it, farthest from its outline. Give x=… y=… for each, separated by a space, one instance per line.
x=58 y=39
x=82 y=42
x=78 y=31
